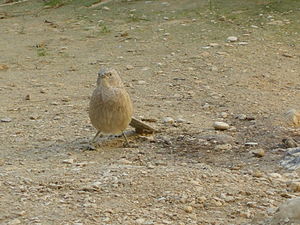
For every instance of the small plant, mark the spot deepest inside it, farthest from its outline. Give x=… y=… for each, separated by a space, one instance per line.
x=41 y=52
x=104 y=29
x=54 y=3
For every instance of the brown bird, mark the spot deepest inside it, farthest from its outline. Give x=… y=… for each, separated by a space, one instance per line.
x=110 y=107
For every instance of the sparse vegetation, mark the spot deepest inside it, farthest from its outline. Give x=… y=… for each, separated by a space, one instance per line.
x=41 y=52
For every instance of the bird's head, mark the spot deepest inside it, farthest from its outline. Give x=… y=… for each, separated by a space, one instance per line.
x=109 y=78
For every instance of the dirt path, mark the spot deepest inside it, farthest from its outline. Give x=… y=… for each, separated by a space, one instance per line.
x=176 y=62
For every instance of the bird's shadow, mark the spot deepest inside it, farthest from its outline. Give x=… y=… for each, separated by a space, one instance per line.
x=77 y=145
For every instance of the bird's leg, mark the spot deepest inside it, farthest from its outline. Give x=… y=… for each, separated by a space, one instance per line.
x=127 y=142
x=98 y=132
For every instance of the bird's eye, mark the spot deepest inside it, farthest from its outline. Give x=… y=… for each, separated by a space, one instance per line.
x=109 y=74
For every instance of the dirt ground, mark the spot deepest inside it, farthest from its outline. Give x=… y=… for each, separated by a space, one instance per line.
x=175 y=61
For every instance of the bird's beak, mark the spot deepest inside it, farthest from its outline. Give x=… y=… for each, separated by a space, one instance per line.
x=102 y=72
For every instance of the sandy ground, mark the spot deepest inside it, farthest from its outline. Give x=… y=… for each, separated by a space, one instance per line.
x=176 y=62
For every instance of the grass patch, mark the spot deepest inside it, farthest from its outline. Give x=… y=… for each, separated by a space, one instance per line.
x=54 y=3
x=41 y=52
x=104 y=29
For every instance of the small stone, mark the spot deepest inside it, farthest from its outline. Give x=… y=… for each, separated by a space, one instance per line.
x=295 y=186
x=224 y=115
x=258 y=152
x=243 y=43
x=105 y=8
x=188 y=209
x=257 y=174
x=251 y=144
x=68 y=161
x=3 y=67
x=66 y=99
x=221 y=126
x=129 y=67
x=214 y=44
x=224 y=147
x=6 y=120
x=169 y=120
x=34 y=117
x=141 y=82
x=14 y=221
x=242 y=117
x=27 y=97
x=96 y=185
x=287 y=55
x=232 y=39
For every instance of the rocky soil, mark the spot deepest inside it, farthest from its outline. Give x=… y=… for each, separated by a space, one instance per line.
x=214 y=78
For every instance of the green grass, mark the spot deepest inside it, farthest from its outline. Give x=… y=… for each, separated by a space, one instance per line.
x=55 y=3
x=104 y=29
x=41 y=52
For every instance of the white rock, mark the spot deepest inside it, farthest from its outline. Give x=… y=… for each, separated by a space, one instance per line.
x=6 y=120
x=68 y=161
x=141 y=82
x=168 y=120
x=221 y=126
x=241 y=116
x=251 y=144
x=232 y=39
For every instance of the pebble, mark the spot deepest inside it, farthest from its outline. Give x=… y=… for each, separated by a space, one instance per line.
x=214 y=44
x=241 y=117
x=105 y=8
x=169 y=120
x=258 y=152
x=224 y=147
x=14 y=221
x=188 y=209
x=6 y=120
x=232 y=39
x=257 y=174
x=243 y=43
x=27 y=97
x=224 y=114
x=180 y=120
x=141 y=82
x=221 y=126
x=251 y=144
x=288 y=211
x=129 y=67
x=68 y=161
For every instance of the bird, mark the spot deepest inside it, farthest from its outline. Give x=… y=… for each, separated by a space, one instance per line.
x=110 y=107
